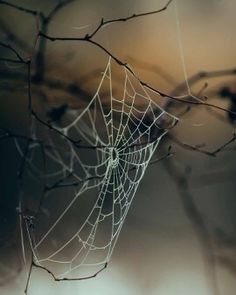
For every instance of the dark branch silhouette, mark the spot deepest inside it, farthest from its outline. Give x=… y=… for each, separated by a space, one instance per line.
x=36 y=75
x=197 y=221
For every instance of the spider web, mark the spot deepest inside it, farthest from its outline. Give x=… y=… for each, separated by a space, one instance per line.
x=92 y=178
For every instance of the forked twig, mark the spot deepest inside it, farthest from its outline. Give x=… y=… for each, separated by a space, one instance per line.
x=38 y=76
x=104 y=23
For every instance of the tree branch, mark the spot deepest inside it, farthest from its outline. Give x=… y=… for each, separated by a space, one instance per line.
x=196 y=148
x=20 y=8
x=128 y=18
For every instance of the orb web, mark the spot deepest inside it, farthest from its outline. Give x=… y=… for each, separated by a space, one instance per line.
x=92 y=174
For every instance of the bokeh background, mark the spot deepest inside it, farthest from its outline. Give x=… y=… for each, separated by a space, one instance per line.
x=179 y=235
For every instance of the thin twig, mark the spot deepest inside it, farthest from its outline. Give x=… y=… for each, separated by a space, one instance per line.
x=8 y=46
x=69 y=279
x=42 y=37
x=187 y=100
x=60 y=183
x=201 y=150
x=20 y=8
x=201 y=75
x=124 y=19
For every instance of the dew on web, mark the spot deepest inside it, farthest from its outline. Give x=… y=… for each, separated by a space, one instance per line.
x=92 y=178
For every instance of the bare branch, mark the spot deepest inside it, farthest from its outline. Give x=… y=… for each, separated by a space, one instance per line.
x=196 y=148
x=197 y=221
x=38 y=77
x=33 y=264
x=187 y=100
x=40 y=56
x=18 y=7
x=16 y=61
x=11 y=36
x=8 y=46
x=56 y=9
x=124 y=19
x=201 y=75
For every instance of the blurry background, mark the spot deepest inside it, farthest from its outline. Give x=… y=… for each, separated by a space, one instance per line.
x=179 y=235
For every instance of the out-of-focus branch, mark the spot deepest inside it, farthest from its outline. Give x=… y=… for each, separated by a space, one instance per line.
x=11 y=36
x=40 y=55
x=19 y=7
x=54 y=84
x=13 y=50
x=197 y=221
x=187 y=99
x=201 y=75
x=39 y=77
x=155 y=69
x=88 y=38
